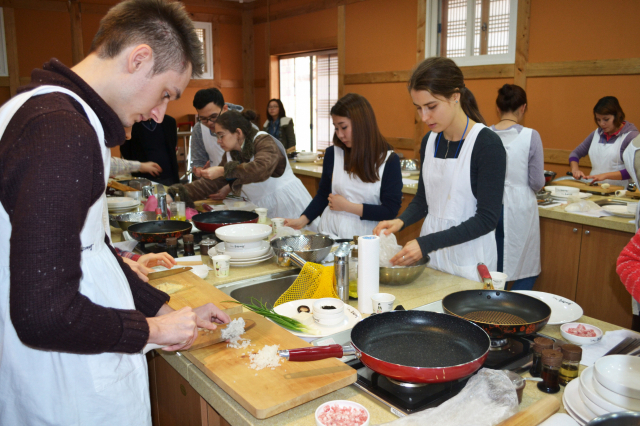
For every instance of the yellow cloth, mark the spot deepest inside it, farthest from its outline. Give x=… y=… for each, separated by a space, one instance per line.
x=314 y=282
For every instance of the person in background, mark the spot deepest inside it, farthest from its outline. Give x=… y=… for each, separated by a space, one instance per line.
x=361 y=181
x=605 y=145
x=518 y=231
x=120 y=166
x=279 y=126
x=155 y=142
x=628 y=264
x=461 y=179
x=205 y=150
x=255 y=164
x=74 y=318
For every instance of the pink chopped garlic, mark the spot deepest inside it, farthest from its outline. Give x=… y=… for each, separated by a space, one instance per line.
x=335 y=415
x=581 y=331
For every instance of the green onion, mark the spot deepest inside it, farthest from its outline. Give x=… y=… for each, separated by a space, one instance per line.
x=263 y=309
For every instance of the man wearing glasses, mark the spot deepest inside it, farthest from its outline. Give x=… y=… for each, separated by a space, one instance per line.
x=205 y=151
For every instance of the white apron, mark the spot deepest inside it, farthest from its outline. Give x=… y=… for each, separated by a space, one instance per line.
x=629 y=156
x=605 y=158
x=211 y=145
x=56 y=388
x=521 y=221
x=344 y=224
x=450 y=201
x=283 y=196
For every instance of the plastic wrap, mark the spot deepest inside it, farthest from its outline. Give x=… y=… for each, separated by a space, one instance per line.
x=581 y=206
x=388 y=248
x=488 y=398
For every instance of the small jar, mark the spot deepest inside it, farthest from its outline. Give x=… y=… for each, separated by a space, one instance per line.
x=189 y=249
x=571 y=356
x=551 y=362
x=172 y=247
x=539 y=344
x=206 y=245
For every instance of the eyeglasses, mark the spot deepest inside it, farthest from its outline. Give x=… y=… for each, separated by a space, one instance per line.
x=212 y=118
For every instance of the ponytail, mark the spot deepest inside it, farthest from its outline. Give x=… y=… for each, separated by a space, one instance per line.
x=470 y=106
x=441 y=76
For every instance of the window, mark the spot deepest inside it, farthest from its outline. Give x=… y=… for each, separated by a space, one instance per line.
x=204 y=34
x=4 y=69
x=308 y=90
x=472 y=32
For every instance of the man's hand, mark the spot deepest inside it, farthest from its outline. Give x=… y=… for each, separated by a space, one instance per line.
x=209 y=314
x=150 y=167
x=176 y=330
x=140 y=270
x=157 y=259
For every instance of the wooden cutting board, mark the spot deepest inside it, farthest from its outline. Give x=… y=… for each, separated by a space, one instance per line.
x=195 y=292
x=594 y=189
x=267 y=392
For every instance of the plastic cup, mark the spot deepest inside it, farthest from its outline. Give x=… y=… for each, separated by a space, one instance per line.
x=277 y=222
x=221 y=264
x=382 y=302
x=499 y=280
x=262 y=214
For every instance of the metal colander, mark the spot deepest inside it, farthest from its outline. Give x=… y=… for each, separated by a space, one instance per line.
x=312 y=248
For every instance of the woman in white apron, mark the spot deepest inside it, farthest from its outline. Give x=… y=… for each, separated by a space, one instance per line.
x=518 y=231
x=605 y=145
x=255 y=165
x=361 y=180
x=461 y=179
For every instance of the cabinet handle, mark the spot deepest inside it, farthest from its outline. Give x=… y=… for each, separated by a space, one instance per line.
x=586 y=232
x=575 y=230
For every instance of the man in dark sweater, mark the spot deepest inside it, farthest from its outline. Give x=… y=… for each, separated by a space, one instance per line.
x=74 y=318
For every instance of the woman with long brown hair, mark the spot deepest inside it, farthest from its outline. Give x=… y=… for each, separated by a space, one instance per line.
x=361 y=181
x=463 y=166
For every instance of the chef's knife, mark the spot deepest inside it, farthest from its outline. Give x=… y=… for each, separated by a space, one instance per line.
x=207 y=337
x=168 y=273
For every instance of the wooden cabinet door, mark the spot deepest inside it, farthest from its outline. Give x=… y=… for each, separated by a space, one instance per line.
x=411 y=232
x=560 y=257
x=600 y=291
x=178 y=404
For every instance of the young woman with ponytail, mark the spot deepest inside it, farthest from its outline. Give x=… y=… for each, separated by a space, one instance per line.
x=255 y=165
x=463 y=166
x=518 y=231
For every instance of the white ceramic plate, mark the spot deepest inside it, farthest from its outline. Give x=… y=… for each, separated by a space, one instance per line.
x=620 y=211
x=586 y=384
x=251 y=254
x=122 y=210
x=243 y=232
x=615 y=398
x=599 y=411
x=619 y=373
x=582 y=196
x=562 y=310
x=573 y=415
x=289 y=309
x=572 y=398
x=119 y=202
x=251 y=262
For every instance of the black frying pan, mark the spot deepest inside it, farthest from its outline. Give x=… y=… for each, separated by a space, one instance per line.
x=210 y=221
x=411 y=346
x=499 y=312
x=157 y=231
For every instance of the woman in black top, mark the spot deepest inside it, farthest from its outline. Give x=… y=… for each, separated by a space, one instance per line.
x=279 y=125
x=463 y=166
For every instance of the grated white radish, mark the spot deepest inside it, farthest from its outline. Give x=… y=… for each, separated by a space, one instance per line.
x=266 y=357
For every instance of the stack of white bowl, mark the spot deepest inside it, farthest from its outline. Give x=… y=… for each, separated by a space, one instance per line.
x=117 y=205
x=307 y=157
x=244 y=243
x=611 y=385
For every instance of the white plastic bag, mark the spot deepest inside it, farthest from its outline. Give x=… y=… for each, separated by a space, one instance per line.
x=285 y=231
x=488 y=398
x=388 y=248
x=581 y=206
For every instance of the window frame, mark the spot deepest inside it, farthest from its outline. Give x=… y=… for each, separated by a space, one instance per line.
x=208 y=48
x=4 y=67
x=432 y=36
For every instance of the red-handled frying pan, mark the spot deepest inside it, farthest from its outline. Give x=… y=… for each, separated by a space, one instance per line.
x=411 y=346
x=210 y=221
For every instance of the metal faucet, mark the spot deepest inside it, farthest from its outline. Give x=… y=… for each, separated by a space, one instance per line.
x=341 y=271
x=161 y=195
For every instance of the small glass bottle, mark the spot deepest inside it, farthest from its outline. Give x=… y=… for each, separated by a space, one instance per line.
x=571 y=356
x=551 y=362
x=205 y=245
x=172 y=246
x=189 y=250
x=539 y=344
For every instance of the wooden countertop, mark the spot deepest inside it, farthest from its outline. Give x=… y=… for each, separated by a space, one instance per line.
x=431 y=286
x=558 y=213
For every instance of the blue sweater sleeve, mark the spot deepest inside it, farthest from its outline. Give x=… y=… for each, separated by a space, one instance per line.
x=390 y=193
x=321 y=200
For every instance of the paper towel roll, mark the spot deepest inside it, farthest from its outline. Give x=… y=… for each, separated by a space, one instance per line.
x=368 y=271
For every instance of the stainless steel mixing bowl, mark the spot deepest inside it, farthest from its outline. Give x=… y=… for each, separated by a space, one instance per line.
x=399 y=275
x=125 y=220
x=312 y=248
